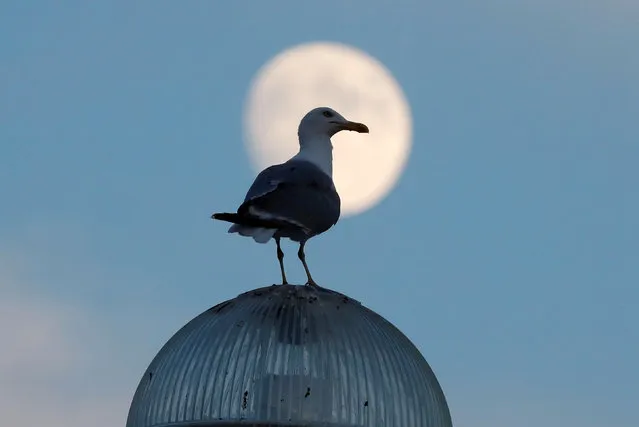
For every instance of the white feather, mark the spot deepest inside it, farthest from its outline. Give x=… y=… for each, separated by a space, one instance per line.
x=319 y=151
x=263 y=235
x=259 y=234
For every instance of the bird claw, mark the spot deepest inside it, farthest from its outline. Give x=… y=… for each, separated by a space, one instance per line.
x=312 y=284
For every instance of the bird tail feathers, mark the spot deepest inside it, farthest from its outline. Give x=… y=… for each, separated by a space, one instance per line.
x=225 y=216
x=259 y=232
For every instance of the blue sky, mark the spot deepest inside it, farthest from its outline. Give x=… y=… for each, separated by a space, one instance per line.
x=508 y=251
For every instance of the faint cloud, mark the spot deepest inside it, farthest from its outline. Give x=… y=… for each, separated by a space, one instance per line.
x=35 y=333
x=57 y=364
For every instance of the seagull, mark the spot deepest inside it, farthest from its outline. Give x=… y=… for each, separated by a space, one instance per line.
x=296 y=199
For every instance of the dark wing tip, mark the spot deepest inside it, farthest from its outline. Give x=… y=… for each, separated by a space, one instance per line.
x=223 y=216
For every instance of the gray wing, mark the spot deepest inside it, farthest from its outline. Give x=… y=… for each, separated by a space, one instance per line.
x=297 y=192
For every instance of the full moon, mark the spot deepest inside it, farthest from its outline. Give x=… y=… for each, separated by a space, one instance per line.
x=366 y=167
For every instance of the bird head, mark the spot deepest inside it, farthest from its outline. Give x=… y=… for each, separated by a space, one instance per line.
x=326 y=121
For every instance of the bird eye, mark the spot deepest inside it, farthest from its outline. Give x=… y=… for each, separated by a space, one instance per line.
x=327 y=114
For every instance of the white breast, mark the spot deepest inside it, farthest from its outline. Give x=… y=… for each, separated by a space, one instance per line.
x=320 y=153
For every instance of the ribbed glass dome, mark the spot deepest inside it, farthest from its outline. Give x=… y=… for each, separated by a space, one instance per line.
x=289 y=356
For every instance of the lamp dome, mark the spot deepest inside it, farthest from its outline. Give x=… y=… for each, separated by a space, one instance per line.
x=289 y=355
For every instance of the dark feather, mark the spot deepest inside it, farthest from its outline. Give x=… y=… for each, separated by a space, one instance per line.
x=251 y=221
x=300 y=198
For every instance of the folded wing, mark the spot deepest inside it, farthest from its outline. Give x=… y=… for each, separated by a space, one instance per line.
x=296 y=193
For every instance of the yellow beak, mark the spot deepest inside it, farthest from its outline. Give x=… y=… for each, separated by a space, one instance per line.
x=354 y=126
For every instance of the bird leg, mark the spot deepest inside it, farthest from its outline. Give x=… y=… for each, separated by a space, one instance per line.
x=280 y=258
x=302 y=258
